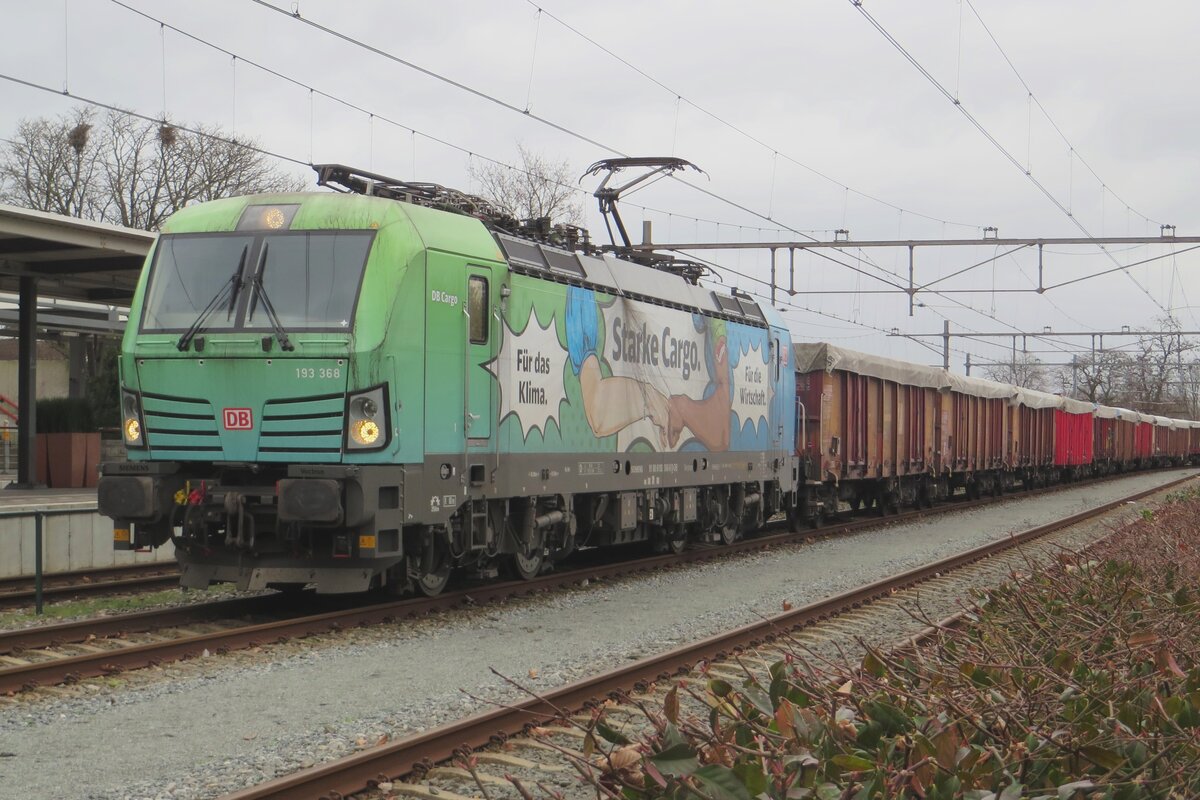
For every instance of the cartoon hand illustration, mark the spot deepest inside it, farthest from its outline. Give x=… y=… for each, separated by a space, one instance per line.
x=675 y=422
x=658 y=412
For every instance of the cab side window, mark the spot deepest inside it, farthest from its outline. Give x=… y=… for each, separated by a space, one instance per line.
x=477 y=307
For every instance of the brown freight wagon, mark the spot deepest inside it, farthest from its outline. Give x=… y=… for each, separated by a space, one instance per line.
x=1170 y=440
x=1112 y=440
x=873 y=430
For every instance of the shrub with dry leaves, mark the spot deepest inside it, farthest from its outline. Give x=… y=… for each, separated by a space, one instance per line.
x=1078 y=681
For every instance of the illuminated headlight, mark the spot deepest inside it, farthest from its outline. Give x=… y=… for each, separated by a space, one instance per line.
x=367 y=419
x=365 y=432
x=131 y=420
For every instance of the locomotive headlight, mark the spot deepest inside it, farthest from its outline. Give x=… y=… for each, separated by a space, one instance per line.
x=367 y=419
x=131 y=420
x=365 y=432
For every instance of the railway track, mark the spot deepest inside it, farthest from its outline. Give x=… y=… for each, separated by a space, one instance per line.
x=431 y=755
x=68 y=652
x=20 y=591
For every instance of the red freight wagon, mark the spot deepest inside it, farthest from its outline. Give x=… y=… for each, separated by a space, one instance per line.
x=1057 y=433
x=1143 y=438
x=1073 y=433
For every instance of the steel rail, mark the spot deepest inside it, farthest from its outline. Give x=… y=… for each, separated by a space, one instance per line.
x=402 y=757
x=56 y=670
x=80 y=583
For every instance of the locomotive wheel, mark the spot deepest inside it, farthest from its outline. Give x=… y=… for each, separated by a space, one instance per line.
x=730 y=533
x=526 y=566
x=677 y=541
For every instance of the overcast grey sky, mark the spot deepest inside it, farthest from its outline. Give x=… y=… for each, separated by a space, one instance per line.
x=819 y=88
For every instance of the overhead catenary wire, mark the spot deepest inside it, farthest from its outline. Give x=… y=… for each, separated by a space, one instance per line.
x=1033 y=99
x=373 y=114
x=679 y=97
x=537 y=118
x=987 y=134
x=570 y=132
x=370 y=115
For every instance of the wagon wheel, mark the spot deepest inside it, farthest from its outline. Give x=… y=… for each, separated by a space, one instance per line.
x=795 y=516
x=526 y=566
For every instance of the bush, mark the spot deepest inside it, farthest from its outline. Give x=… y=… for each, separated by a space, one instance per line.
x=1078 y=682
x=65 y=415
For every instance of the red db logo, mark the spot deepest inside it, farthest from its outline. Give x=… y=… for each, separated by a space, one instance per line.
x=238 y=419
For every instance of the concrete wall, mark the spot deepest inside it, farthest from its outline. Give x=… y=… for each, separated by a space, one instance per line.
x=76 y=540
x=53 y=378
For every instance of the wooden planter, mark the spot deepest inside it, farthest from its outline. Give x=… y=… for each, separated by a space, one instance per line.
x=70 y=459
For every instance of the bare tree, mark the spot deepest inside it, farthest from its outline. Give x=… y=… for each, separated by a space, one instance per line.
x=537 y=188
x=1101 y=377
x=1024 y=370
x=52 y=165
x=1158 y=367
x=128 y=171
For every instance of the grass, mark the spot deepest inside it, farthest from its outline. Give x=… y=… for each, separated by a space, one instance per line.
x=110 y=605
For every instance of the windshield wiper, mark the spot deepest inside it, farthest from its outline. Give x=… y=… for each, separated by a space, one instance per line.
x=230 y=287
x=260 y=291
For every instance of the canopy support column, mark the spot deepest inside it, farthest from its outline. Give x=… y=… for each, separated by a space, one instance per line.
x=27 y=385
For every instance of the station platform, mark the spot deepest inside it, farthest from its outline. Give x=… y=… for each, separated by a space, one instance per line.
x=75 y=536
x=29 y=500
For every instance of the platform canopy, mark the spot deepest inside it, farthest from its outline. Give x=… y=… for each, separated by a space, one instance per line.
x=44 y=255
x=71 y=259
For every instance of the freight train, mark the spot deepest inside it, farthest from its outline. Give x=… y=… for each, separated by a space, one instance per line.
x=380 y=386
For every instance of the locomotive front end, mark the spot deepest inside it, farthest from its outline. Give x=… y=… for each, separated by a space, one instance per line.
x=260 y=418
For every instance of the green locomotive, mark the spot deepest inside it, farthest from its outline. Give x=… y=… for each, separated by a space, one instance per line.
x=373 y=387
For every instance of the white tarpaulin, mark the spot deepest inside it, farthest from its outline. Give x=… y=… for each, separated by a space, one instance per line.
x=814 y=356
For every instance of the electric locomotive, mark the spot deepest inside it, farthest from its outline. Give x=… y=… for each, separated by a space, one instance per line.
x=378 y=386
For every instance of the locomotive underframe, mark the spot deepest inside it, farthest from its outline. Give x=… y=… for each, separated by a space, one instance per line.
x=348 y=528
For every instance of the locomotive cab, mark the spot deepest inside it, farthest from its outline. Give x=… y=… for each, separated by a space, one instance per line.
x=274 y=386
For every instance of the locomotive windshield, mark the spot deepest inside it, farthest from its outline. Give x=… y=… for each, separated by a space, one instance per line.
x=310 y=277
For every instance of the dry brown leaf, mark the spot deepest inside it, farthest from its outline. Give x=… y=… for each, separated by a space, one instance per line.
x=1143 y=638
x=787 y=605
x=846 y=688
x=533 y=673
x=624 y=758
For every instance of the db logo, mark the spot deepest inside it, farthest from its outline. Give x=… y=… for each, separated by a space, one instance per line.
x=238 y=419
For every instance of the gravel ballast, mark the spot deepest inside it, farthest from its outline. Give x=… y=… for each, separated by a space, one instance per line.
x=214 y=725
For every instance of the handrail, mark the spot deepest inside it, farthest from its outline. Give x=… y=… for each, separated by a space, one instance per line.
x=5 y=402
